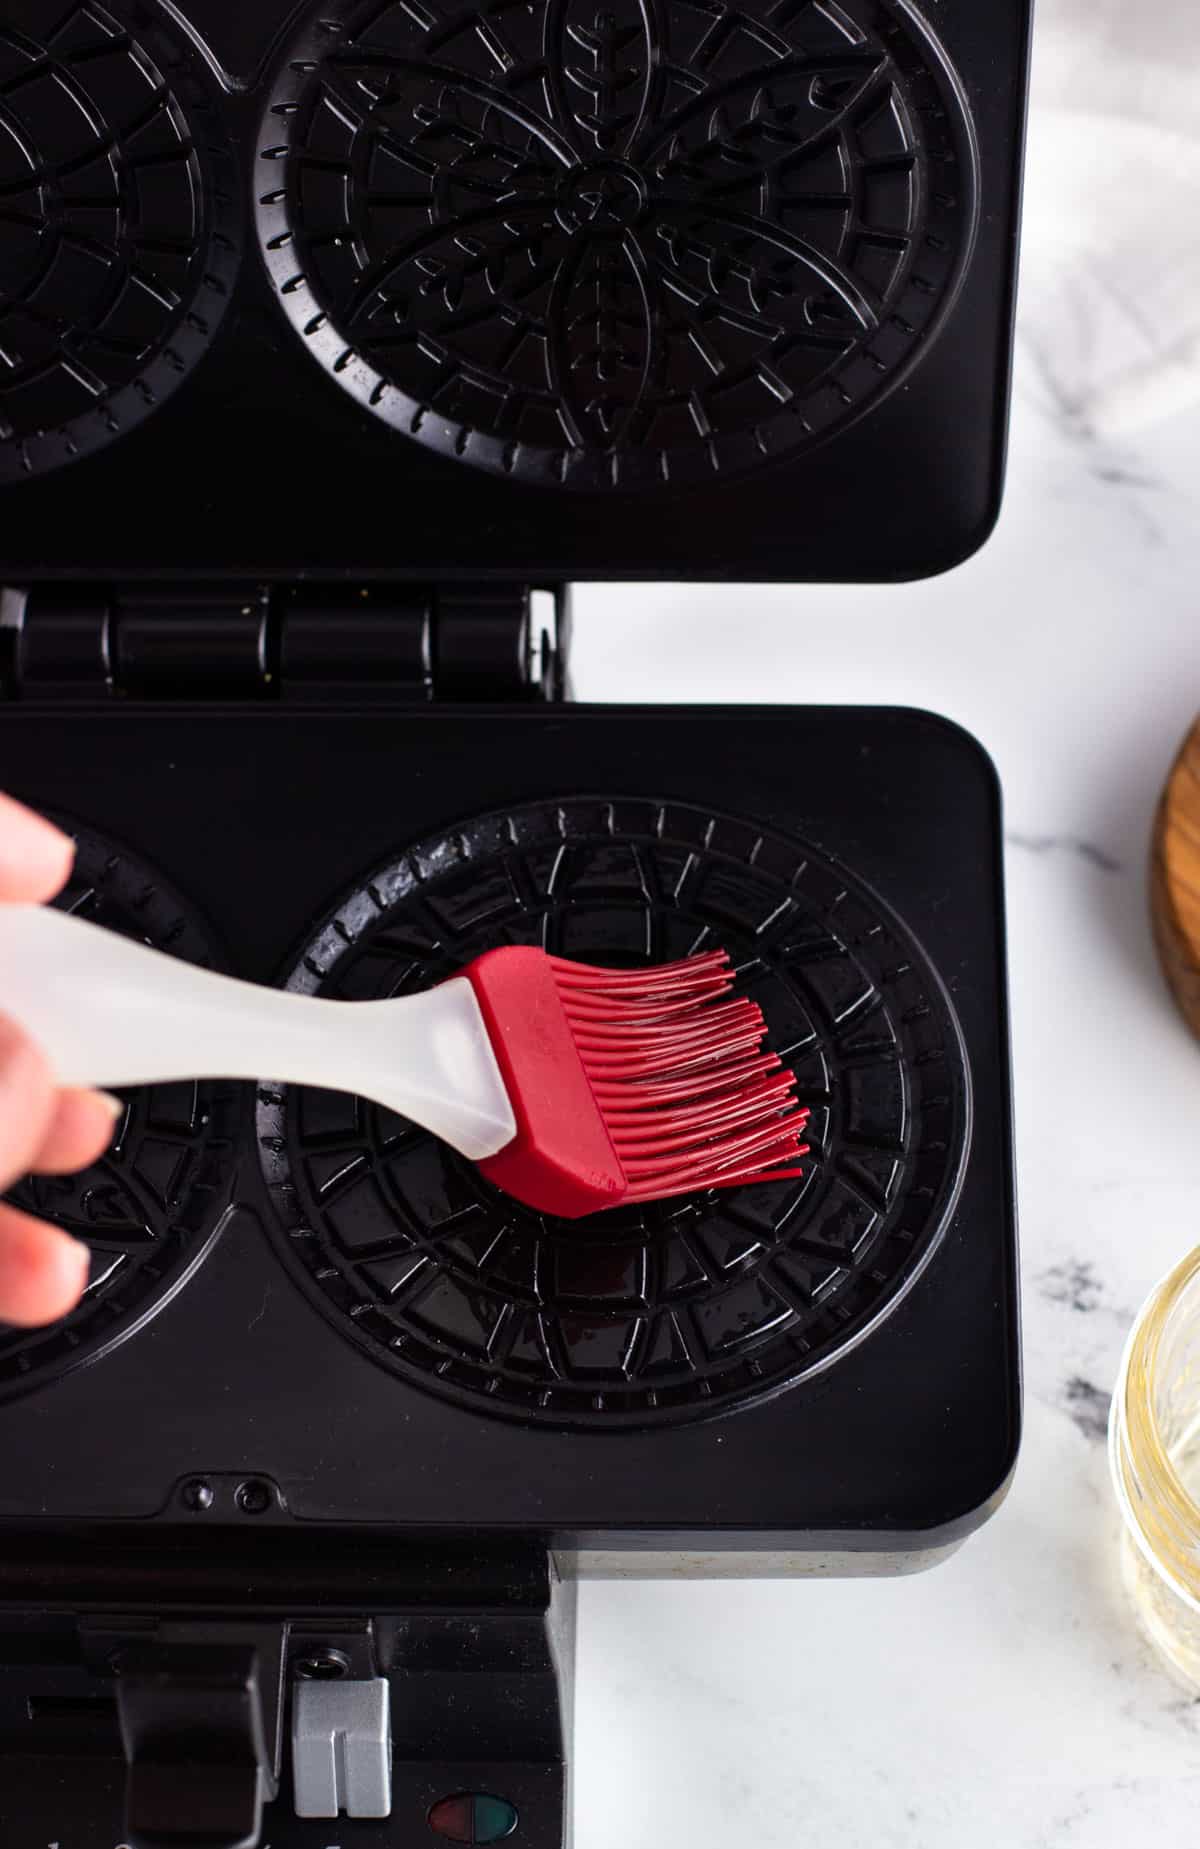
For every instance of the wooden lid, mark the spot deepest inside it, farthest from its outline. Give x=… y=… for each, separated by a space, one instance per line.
x=1175 y=879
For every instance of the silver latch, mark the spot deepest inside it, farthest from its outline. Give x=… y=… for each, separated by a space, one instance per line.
x=342 y=1748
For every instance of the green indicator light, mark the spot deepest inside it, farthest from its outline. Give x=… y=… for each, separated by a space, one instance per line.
x=495 y=1818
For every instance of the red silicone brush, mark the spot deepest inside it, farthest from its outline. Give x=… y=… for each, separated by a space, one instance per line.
x=574 y=1088
x=632 y=1085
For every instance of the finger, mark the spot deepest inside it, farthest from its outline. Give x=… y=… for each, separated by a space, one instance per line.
x=35 y=857
x=80 y=1130
x=26 y=1101
x=43 y=1272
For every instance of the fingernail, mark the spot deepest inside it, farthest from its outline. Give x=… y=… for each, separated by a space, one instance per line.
x=75 y=1271
x=116 y=1106
x=66 y=1266
x=80 y=1254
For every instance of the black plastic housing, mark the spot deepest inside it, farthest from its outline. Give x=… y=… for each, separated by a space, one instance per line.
x=902 y=1444
x=755 y=266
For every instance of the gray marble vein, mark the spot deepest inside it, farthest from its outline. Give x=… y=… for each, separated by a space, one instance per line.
x=1064 y=844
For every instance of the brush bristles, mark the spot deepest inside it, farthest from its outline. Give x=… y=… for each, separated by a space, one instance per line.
x=689 y=1098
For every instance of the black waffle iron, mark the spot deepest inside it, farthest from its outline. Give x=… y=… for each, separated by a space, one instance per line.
x=335 y=340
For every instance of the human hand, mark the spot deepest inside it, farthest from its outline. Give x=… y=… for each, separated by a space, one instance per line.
x=52 y=1131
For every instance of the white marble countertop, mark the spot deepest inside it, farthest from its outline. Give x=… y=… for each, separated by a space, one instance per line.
x=1006 y=1697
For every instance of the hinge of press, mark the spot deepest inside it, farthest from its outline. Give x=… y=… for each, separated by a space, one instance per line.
x=292 y=642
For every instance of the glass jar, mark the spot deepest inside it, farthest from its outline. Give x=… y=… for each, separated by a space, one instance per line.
x=1154 y=1453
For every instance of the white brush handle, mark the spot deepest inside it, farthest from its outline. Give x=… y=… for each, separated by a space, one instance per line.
x=110 y=1012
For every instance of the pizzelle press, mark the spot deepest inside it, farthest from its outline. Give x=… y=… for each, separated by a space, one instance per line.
x=335 y=341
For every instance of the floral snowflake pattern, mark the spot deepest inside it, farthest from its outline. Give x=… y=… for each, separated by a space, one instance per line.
x=616 y=242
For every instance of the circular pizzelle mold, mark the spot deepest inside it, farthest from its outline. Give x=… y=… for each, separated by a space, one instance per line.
x=608 y=244
x=639 y=1315
x=149 y=1208
x=120 y=231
